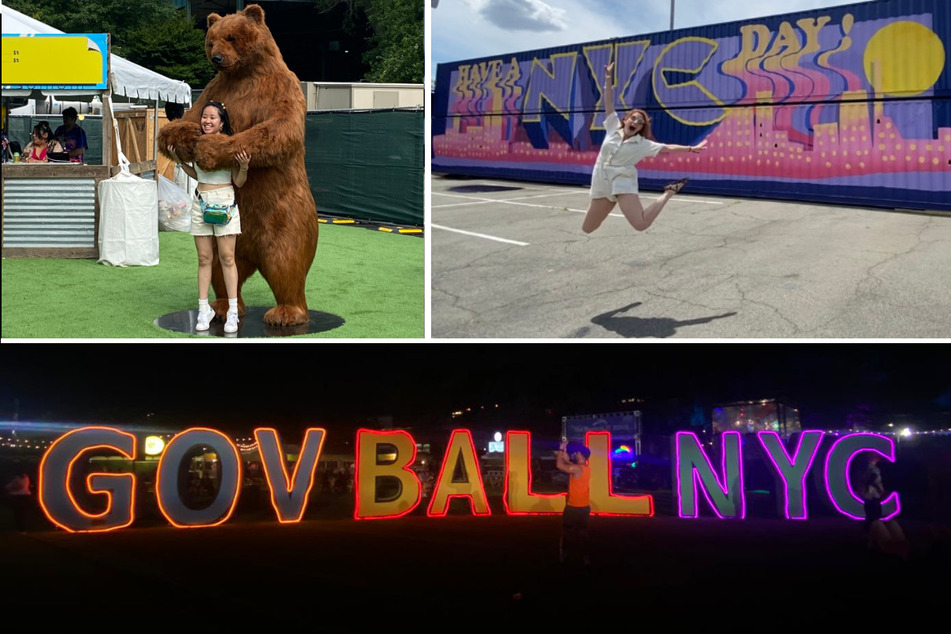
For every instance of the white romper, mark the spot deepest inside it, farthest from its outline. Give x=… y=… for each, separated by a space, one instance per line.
x=615 y=171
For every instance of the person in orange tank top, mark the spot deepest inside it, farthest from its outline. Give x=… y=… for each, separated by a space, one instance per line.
x=574 y=524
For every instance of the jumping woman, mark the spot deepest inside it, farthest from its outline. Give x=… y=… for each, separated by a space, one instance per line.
x=614 y=181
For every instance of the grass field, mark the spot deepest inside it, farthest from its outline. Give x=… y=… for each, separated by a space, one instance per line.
x=373 y=280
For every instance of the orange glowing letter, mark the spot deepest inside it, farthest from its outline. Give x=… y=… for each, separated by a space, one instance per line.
x=460 y=448
x=229 y=479
x=518 y=496
x=603 y=499
x=289 y=494
x=56 y=467
x=386 y=456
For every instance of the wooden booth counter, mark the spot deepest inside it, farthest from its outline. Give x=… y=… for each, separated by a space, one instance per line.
x=52 y=210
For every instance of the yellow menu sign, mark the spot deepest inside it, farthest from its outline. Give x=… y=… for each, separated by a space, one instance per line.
x=55 y=60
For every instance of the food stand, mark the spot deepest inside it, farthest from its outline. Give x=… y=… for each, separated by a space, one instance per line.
x=52 y=209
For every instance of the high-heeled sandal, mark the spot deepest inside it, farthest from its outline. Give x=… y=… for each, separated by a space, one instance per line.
x=676 y=186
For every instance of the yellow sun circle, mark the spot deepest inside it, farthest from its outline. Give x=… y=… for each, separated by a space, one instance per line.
x=904 y=58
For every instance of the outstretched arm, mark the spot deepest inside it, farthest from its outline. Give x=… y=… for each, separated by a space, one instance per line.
x=700 y=147
x=608 y=92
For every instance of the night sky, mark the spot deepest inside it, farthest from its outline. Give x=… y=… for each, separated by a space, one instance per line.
x=293 y=386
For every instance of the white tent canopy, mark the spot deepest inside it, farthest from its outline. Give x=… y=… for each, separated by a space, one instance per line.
x=129 y=79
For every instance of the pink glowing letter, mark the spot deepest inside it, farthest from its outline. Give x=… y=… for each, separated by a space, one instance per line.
x=692 y=467
x=838 y=485
x=792 y=470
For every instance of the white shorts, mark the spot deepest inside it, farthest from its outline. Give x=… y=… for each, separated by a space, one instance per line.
x=603 y=185
x=224 y=196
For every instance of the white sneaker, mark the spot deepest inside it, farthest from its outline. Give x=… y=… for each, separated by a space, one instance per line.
x=231 y=324
x=204 y=319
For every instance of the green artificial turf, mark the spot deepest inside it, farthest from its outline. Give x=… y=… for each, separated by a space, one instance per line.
x=374 y=280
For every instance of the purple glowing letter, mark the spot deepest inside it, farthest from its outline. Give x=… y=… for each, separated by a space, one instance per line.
x=692 y=463
x=837 y=474
x=792 y=470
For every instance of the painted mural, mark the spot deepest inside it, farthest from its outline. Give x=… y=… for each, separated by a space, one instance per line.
x=849 y=105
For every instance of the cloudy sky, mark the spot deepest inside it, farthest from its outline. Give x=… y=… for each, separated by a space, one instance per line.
x=464 y=29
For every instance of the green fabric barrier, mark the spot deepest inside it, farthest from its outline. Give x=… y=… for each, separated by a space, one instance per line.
x=367 y=165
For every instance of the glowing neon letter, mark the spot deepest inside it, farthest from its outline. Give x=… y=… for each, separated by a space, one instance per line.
x=56 y=468
x=460 y=448
x=289 y=494
x=369 y=471
x=792 y=470
x=838 y=485
x=603 y=499
x=518 y=496
x=167 y=485
x=726 y=498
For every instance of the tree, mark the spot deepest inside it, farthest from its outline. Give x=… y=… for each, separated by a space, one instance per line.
x=148 y=32
x=397 y=53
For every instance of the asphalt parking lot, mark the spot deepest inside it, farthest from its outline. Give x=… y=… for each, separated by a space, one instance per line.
x=509 y=260
x=422 y=574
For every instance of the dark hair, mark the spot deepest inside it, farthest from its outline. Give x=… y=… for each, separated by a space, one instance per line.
x=43 y=126
x=579 y=447
x=71 y=113
x=223 y=113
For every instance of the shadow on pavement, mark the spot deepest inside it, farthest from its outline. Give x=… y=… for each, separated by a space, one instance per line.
x=647 y=326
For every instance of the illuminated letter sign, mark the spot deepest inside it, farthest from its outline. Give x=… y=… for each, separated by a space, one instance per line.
x=167 y=483
x=518 y=496
x=460 y=448
x=603 y=499
x=837 y=474
x=792 y=470
x=726 y=496
x=56 y=467
x=289 y=494
x=370 y=470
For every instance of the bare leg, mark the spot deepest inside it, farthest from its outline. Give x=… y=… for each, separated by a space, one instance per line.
x=639 y=217
x=228 y=268
x=598 y=210
x=205 y=256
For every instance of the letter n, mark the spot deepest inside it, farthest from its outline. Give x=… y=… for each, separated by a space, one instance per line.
x=723 y=492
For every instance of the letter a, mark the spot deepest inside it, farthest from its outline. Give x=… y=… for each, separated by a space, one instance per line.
x=460 y=448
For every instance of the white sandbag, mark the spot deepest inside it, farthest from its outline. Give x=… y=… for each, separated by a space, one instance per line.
x=128 y=221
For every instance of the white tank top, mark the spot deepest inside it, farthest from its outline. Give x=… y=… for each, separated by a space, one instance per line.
x=219 y=177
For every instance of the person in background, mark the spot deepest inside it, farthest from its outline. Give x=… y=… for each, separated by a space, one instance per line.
x=38 y=149
x=21 y=496
x=71 y=136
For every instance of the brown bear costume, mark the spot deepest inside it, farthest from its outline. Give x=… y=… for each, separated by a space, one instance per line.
x=267 y=109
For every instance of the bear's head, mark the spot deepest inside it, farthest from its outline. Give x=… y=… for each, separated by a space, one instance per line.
x=240 y=42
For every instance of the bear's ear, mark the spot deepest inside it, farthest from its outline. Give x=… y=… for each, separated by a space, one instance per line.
x=254 y=13
x=212 y=18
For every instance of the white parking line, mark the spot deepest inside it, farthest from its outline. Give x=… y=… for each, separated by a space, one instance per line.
x=480 y=235
x=514 y=201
